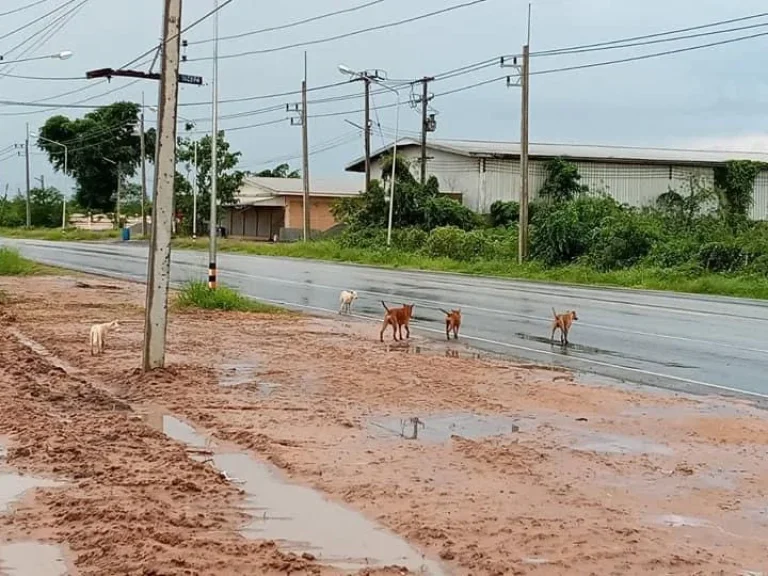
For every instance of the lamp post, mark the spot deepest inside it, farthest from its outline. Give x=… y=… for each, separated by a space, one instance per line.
x=360 y=75
x=66 y=155
x=64 y=55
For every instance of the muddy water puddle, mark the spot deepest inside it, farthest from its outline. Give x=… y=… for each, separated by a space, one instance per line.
x=14 y=485
x=440 y=427
x=33 y=559
x=299 y=518
x=620 y=444
x=238 y=373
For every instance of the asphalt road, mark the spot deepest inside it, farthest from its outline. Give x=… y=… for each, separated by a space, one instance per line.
x=689 y=343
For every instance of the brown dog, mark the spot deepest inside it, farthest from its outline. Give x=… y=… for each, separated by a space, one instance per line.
x=397 y=318
x=452 y=323
x=563 y=323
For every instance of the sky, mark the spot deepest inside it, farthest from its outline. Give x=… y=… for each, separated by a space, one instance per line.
x=709 y=98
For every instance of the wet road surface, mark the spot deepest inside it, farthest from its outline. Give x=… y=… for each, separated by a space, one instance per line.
x=691 y=343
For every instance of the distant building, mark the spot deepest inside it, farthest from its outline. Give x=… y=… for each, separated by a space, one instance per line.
x=484 y=172
x=274 y=206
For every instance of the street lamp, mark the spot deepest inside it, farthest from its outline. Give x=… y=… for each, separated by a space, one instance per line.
x=64 y=55
x=346 y=70
x=66 y=154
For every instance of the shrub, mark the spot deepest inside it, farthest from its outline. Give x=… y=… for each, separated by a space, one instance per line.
x=673 y=253
x=442 y=211
x=196 y=294
x=359 y=237
x=563 y=232
x=721 y=257
x=445 y=242
x=504 y=214
x=409 y=239
x=621 y=242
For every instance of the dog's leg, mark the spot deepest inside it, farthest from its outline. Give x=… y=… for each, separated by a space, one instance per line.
x=552 y=336
x=407 y=331
x=395 y=327
x=383 y=327
x=447 y=330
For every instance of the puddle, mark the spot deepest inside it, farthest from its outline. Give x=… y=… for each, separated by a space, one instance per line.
x=237 y=374
x=406 y=348
x=676 y=521
x=440 y=427
x=267 y=388
x=618 y=444
x=13 y=486
x=298 y=518
x=32 y=559
x=535 y=561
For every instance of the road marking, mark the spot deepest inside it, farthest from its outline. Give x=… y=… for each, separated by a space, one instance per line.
x=490 y=341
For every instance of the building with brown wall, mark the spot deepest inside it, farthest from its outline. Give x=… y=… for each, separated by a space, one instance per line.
x=274 y=206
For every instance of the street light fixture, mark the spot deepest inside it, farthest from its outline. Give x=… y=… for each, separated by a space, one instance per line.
x=64 y=55
x=66 y=155
x=346 y=70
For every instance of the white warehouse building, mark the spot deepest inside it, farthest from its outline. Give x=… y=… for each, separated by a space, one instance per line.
x=484 y=172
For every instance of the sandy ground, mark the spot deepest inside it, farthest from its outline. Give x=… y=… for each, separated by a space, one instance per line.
x=598 y=480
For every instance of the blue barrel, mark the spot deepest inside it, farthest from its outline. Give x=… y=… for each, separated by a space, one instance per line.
x=126 y=234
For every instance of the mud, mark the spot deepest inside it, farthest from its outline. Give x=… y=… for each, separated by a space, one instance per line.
x=583 y=487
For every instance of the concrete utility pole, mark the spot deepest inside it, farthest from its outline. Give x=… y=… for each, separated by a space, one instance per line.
x=143 y=173
x=194 y=198
x=118 y=194
x=159 y=264
x=41 y=179
x=214 y=153
x=425 y=127
x=305 y=155
x=522 y=254
x=26 y=152
x=367 y=82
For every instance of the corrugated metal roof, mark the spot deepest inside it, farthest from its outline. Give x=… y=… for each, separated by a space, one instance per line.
x=628 y=154
x=258 y=188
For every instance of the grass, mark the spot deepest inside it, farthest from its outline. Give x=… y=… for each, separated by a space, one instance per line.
x=13 y=264
x=196 y=294
x=743 y=286
x=57 y=234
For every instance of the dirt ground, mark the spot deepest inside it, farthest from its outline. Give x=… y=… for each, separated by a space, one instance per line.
x=597 y=480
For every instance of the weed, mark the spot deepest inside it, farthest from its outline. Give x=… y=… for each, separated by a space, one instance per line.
x=197 y=294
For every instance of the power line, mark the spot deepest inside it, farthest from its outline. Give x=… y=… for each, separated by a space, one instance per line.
x=36 y=20
x=22 y=8
x=31 y=37
x=291 y=24
x=182 y=31
x=654 y=35
x=345 y=35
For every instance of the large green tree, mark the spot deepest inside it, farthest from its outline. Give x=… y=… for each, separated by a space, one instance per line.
x=107 y=133
x=230 y=179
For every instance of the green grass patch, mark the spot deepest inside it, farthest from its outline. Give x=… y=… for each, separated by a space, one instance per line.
x=196 y=294
x=57 y=234
x=13 y=264
x=639 y=277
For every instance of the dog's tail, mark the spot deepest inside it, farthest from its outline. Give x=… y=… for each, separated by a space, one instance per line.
x=385 y=306
x=444 y=312
x=554 y=312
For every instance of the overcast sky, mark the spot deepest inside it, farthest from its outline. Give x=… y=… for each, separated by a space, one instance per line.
x=715 y=97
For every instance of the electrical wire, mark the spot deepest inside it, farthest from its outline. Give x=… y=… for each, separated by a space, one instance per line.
x=290 y=24
x=36 y=20
x=345 y=35
x=32 y=36
x=22 y=8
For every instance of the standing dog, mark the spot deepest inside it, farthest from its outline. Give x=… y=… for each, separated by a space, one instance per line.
x=397 y=318
x=98 y=332
x=452 y=323
x=563 y=323
x=346 y=298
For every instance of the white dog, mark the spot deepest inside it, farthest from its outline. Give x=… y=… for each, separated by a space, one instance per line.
x=98 y=332
x=346 y=298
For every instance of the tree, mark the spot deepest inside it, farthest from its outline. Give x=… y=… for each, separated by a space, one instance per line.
x=280 y=171
x=229 y=178
x=415 y=205
x=563 y=181
x=734 y=186
x=107 y=132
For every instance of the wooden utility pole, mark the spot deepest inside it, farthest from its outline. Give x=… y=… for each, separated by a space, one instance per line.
x=159 y=265
x=305 y=155
x=367 y=82
x=425 y=127
x=143 y=173
x=522 y=254
x=26 y=152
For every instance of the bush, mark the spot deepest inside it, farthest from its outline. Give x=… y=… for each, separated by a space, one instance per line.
x=673 y=253
x=721 y=257
x=563 y=232
x=445 y=242
x=454 y=243
x=622 y=241
x=196 y=294
x=409 y=239
x=442 y=211
x=504 y=214
x=358 y=237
